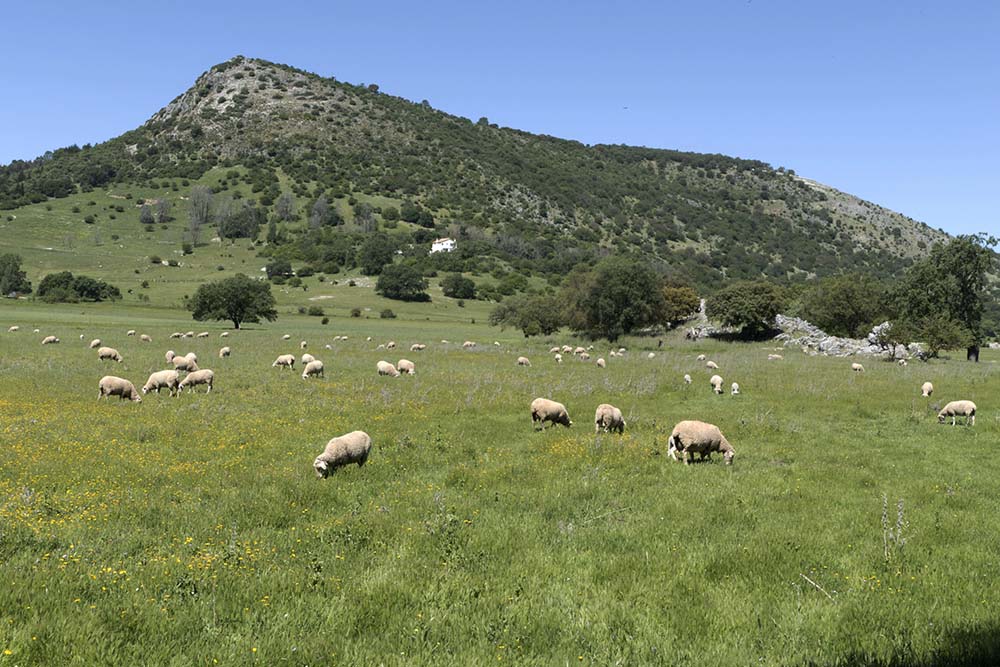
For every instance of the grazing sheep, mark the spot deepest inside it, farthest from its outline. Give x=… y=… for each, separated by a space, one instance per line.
x=468 y=345
x=130 y=332
x=444 y=341
x=584 y=356
x=385 y=368
x=687 y=379
x=95 y=343
x=192 y=380
x=203 y=334
x=306 y=358
x=224 y=352
x=286 y=337
x=81 y=336
x=497 y=343
x=716 y=383
x=369 y=339
x=109 y=353
x=224 y=334
x=191 y=356
x=558 y=358
x=176 y=334
x=955 y=409
x=774 y=357
x=328 y=347
x=736 y=389
x=567 y=349
x=184 y=364
x=651 y=355
x=621 y=351
x=417 y=347
x=926 y=389
x=37 y=331
x=161 y=379
x=694 y=437
x=353 y=447
x=612 y=353
x=712 y=365
x=285 y=361
x=109 y=385
x=523 y=361
x=555 y=350
x=902 y=362
x=314 y=367
x=50 y=340
x=170 y=356
x=391 y=345
x=579 y=350
x=543 y=410
x=609 y=418
x=380 y=346
x=145 y=338
x=857 y=368
x=303 y=345
x=601 y=363
x=189 y=334
x=701 y=357
x=406 y=366
x=13 y=329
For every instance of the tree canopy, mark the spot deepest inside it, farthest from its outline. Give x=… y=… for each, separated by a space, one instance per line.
x=12 y=278
x=402 y=282
x=845 y=305
x=621 y=296
x=749 y=306
x=238 y=299
x=533 y=314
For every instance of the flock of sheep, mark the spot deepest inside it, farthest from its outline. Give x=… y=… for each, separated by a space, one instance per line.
x=688 y=437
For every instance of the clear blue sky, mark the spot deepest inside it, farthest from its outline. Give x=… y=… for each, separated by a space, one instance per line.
x=896 y=102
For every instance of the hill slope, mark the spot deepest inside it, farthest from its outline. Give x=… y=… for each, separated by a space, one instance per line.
x=536 y=202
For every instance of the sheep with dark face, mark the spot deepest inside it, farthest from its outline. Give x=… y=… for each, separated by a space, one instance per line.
x=543 y=410
x=406 y=366
x=692 y=437
x=353 y=447
x=523 y=361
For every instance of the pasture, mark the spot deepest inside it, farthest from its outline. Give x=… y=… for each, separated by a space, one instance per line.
x=851 y=529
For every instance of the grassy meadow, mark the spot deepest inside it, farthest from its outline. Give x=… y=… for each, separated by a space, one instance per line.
x=192 y=531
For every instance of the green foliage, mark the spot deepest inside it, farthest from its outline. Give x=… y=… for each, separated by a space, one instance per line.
x=748 y=306
x=238 y=299
x=622 y=296
x=387 y=314
x=278 y=267
x=534 y=315
x=12 y=279
x=457 y=286
x=65 y=287
x=376 y=251
x=846 y=305
x=679 y=303
x=403 y=283
x=245 y=223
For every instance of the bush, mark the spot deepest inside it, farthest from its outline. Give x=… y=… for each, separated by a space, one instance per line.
x=171 y=262
x=155 y=259
x=90 y=219
x=355 y=312
x=144 y=284
x=749 y=306
x=402 y=282
x=387 y=314
x=325 y=320
x=457 y=287
x=315 y=311
x=187 y=248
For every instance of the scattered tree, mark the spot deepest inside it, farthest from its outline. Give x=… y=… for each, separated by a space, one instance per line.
x=238 y=299
x=403 y=283
x=284 y=208
x=199 y=210
x=146 y=215
x=457 y=286
x=376 y=251
x=845 y=305
x=12 y=279
x=749 y=306
x=621 y=297
x=163 y=207
x=679 y=303
x=534 y=315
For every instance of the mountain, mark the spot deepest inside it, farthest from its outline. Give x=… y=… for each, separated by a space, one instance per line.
x=535 y=202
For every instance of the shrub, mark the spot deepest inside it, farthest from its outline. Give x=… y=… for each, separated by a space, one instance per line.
x=144 y=284
x=155 y=259
x=171 y=262
x=387 y=314
x=355 y=312
x=187 y=248
x=325 y=320
x=315 y=311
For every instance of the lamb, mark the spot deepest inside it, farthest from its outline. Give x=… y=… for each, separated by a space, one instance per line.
x=314 y=367
x=109 y=385
x=468 y=345
x=203 y=376
x=109 y=353
x=203 y=334
x=306 y=358
x=857 y=368
x=130 y=332
x=145 y=338
x=735 y=389
x=161 y=379
x=285 y=361
x=774 y=357
x=716 y=383
x=687 y=379
x=609 y=418
x=353 y=447
x=926 y=389
x=712 y=365
x=224 y=352
x=406 y=366
x=224 y=334
x=385 y=368
x=701 y=357
x=95 y=343
x=692 y=437
x=558 y=358
x=601 y=363
x=170 y=356
x=14 y=329
x=523 y=361
x=543 y=410
x=50 y=340
x=955 y=409
x=184 y=364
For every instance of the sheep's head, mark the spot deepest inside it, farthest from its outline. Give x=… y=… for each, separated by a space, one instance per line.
x=729 y=456
x=136 y=398
x=941 y=417
x=322 y=468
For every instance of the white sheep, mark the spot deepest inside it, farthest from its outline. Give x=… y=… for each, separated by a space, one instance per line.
x=523 y=361
x=14 y=329
x=145 y=338
x=417 y=347
x=303 y=345
x=621 y=351
x=170 y=356
x=109 y=385
x=579 y=350
x=191 y=356
x=177 y=334
x=184 y=364
x=651 y=355
x=224 y=334
x=955 y=409
x=926 y=389
x=406 y=366
x=391 y=345
x=380 y=346
x=584 y=356
x=716 y=382
x=543 y=410
x=692 y=437
x=385 y=368
x=313 y=368
x=468 y=345
x=95 y=343
x=601 y=363
x=558 y=358
x=224 y=352
x=130 y=332
x=38 y=331
x=203 y=334
x=735 y=389
x=687 y=379
x=711 y=365
x=496 y=343
x=353 y=447
x=554 y=350
x=774 y=357
x=857 y=368
x=286 y=337
x=285 y=361
x=203 y=376
x=50 y=340
x=109 y=353
x=160 y=379
x=189 y=334
x=306 y=358
x=701 y=357
x=608 y=418
x=567 y=349
x=902 y=362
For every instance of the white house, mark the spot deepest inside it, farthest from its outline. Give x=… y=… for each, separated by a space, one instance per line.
x=443 y=245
